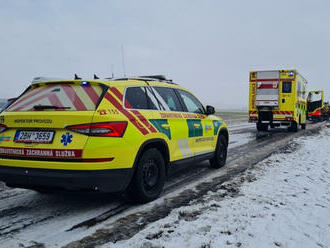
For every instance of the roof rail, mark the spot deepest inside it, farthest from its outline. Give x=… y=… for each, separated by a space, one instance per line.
x=157 y=78
x=43 y=79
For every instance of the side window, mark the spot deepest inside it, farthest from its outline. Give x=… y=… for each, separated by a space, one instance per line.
x=191 y=102
x=286 y=87
x=168 y=99
x=138 y=98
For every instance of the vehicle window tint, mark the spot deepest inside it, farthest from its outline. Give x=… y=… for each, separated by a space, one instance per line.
x=59 y=97
x=286 y=87
x=168 y=99
x=138 y=98
x=191 y=102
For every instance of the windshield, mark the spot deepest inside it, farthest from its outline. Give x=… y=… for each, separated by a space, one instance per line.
x=314 y=96
x=3 y=103
x=58 y=97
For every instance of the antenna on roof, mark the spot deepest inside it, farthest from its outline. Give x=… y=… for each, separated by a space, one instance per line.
x=76 y=77
x=96 y=77
x=123 y=60
x=112 y=71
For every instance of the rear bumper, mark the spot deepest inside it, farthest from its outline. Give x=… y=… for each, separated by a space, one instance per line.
x=269 y=122
x=271 y=116
x=114 y=180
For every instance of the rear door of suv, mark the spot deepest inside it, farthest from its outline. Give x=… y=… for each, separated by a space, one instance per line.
x=163 y=110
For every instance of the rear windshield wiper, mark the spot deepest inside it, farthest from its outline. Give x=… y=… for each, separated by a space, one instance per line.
x=42 y=107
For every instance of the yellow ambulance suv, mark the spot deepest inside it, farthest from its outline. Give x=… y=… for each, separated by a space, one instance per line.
x=111 y=135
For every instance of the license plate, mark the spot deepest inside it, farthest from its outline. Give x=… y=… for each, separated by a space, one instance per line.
x=34 y=136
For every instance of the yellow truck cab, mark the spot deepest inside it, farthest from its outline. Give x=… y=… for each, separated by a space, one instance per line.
x=109 y=135
x=277 y=98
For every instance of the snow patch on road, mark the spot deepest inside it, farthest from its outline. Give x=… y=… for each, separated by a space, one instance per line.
x=283 y=201
x=236 y=140
x=241 y=125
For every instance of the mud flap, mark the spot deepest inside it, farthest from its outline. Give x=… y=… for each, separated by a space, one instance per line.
x=265 y=116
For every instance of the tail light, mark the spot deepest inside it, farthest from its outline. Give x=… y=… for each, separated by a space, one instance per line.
x=268 y=85
x=108 y=129
x=2 y=128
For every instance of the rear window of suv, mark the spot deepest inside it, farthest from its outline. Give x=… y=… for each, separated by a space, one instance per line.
x=139 y=98
x=59 y=97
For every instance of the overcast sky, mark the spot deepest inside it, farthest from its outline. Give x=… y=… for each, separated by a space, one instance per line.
x=207 y=46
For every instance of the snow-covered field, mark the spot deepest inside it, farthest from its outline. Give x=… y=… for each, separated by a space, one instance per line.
x=284 y=201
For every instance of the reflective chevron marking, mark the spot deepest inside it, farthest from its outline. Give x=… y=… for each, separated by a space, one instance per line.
x=119 y=95
x=130 y=117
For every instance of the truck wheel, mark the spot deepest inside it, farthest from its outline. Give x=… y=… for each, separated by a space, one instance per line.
x=149 y=178
x=262 y=126
x=220 y=154
x=293 y=127
x=303 y=125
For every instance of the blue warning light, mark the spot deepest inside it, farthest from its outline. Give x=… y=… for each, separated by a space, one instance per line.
x=84 y=83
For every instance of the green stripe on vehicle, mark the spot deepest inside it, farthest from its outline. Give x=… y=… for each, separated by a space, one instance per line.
x=216 y=125
x=158 y=125
x=195 y=131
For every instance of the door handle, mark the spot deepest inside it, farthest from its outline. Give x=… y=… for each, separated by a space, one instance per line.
x=197 y=125
x=166 y=126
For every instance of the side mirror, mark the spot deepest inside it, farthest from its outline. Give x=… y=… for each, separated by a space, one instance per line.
x=210 y=110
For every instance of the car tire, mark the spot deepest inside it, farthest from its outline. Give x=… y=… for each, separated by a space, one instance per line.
x=149 y=177
x=44 y=191
x=220 y=154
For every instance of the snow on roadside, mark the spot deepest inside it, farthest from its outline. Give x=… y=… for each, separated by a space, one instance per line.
x=283 y=201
